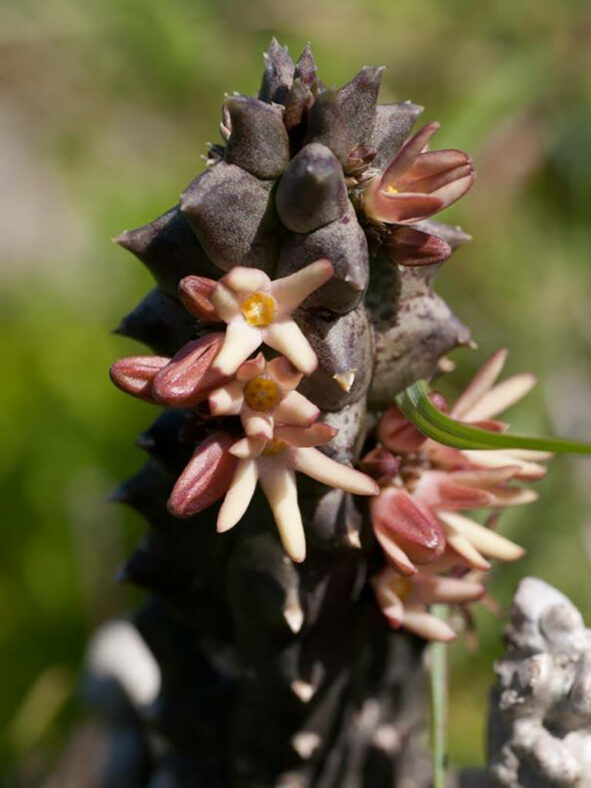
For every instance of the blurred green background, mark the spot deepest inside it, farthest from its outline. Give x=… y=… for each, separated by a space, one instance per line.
x=105 y=108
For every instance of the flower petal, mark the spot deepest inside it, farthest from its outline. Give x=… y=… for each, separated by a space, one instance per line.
x=418 y=621
x=397 y=433
x=227 y=400
x=286 y=337
x=439 y=489
x=320 y=467
x=454 y=190
x=225 y=302
x=206 y=478
x=134 y=375
x=279 y=486
x=400 y=208
x=315 y=435
x=290 y=291
x=243 y=280
x=390 y=604
x=410 y=247
x=430 y=589
x=239 y=342
x=465 y=550
x=437 y=161
x=248 y=447
x=294 y=408
x=251 y=368
x=501 y=397
x=494 y=458
x=239 y=495
x=284 y=373
x=393 y=552
x=482 y=382
x=257 y=424
x=408 y=153
x=488 y=542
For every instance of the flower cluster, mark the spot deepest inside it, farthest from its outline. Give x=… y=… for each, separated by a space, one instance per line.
x=281 y=426
x=433 y=550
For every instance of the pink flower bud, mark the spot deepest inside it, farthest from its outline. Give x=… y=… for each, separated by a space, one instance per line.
x=194 y=292
x=188 y=378
x=134 y=375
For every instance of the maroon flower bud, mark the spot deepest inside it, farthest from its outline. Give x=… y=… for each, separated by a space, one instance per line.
x=194 y=292
x=206 y=478
x=400 y=435
x=407 y=529
x=406 y=246
x=134 y=375
x=380 y=464
x=188 y=378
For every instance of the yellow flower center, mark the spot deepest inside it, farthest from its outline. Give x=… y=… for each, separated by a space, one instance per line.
x=273 y=447
x=262 y=394
x=259 y=309
x=391 y=189
x=402 y=586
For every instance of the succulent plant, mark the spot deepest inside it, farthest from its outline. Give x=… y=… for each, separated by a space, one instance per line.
x=309 y=233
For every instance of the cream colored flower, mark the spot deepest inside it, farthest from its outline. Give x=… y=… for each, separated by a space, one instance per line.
x=258 y=310
x=263 y=394
x=273 y=463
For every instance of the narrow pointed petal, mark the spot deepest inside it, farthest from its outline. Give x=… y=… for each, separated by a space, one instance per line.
x=399 y=208
x=430 y=589
x=466 y=550
x=487 y=542
x=194 y=293
x=258 y=425
x=286 y=337
x=437 y=161
x=397 y=515
x=484 y=477
x=530 y=455
x=189 y=376
x=513 y=496
x=239 y=495
x=433 y=184
x=279 y=486
x=225 y=302
x=239 y=342
x=251 y=368
x=315 y=435
x=284 y=373
x=320 y=467
x=393 y=552
x=501 y=397
x=418 y=621
x=244 y=280
x=439 y=490
x=407 y=154
x=227 y=400
x=290 y=291
x=482 y=382
x=453 y=191
x=247 y=448
x=389 y=602
x=528 y=471
x=134 y=375
x=294 y=408
x=206 y=478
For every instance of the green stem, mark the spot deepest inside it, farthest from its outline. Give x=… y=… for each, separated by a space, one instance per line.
x=438 y=670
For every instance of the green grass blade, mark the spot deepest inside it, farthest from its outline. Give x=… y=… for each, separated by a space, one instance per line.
x=415 y=404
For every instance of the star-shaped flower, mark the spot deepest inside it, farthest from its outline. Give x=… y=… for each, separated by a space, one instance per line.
x=404 y=600
x=418 y=183
x=259 y=310
x=273 y=463
x=263 y=393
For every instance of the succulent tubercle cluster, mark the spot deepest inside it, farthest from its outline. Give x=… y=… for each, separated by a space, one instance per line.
x=434 y=552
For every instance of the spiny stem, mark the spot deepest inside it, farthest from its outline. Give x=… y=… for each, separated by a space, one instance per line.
x=438 y=671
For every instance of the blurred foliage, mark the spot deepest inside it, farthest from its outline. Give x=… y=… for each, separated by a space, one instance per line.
x=105 y=108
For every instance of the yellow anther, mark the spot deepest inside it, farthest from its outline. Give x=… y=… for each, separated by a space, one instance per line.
x=402 y=586
x=259 y=309
x=273 y=447
x=391 y=190
x=261 y=394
